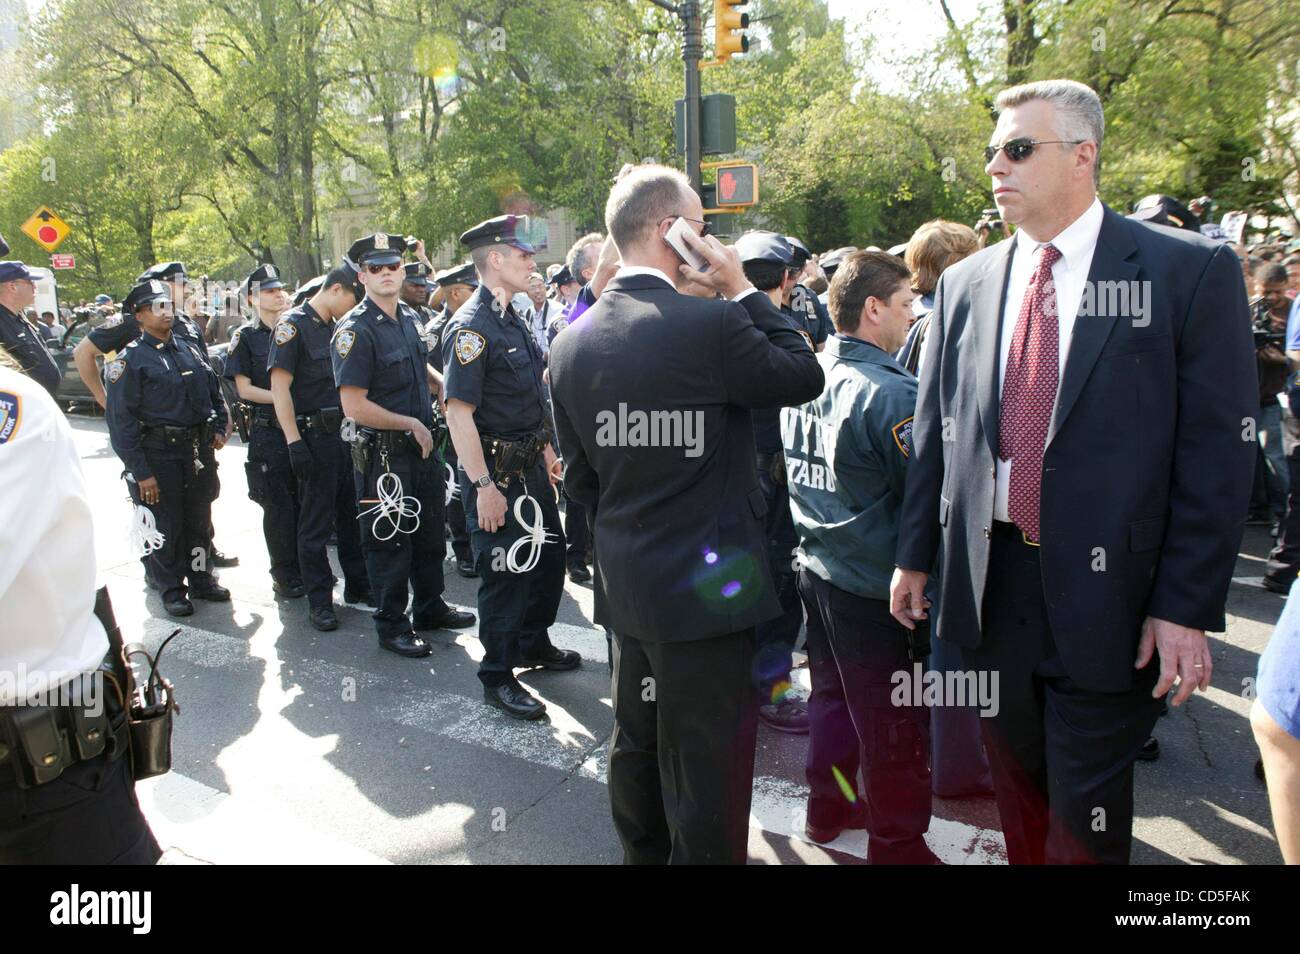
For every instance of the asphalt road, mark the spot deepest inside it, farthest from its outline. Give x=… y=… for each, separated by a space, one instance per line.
x=298 y=746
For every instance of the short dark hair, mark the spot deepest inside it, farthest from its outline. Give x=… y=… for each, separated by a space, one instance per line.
x=860 y=276
x=764 y=275
x=1273 y=274
x=347 y=278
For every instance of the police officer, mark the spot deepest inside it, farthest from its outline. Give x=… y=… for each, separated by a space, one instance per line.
x=800 y=300
x=271 y=481
x=415 y=292
x=308 y=289
x=496 y=410
x=767 y=259
x=846 y=459
x=66 y=793
x=23 y=342
x=456 y=284
x=386 y=387
x=829 y=263
x=165 y=418
x=307 y=408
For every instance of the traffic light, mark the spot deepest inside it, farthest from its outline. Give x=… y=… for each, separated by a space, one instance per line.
x=728 y=30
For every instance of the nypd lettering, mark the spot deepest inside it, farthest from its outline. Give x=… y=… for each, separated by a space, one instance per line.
x=812 y=437
x=11 y=415
x=469 y=345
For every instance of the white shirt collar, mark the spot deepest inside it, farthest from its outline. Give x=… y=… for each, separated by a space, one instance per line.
x=630 y=271
x=1073 y=241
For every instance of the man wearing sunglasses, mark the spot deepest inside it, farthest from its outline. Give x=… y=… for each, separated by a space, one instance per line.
x=1080 y=454
x=386 y=387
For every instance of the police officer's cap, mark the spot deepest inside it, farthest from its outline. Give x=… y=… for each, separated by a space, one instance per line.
x=103 y=300
x=1166 y=210
x=765 y=247
x=264 y=277
x=457 y=275
x=307 y=290
x=15 y=272
x=163 y=272
x=562 y=277
x=832 y=259
x=801 y=253
x=417 y=273
x=145 y=293
x=378 y=249
x=502 y=230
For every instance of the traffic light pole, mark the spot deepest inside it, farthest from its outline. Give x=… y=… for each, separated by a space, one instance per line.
x=688 y=11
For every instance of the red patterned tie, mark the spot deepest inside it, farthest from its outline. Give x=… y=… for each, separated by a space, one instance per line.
x=1029 y=393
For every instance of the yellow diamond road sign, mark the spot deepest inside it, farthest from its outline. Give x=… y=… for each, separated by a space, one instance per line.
x=46 y=229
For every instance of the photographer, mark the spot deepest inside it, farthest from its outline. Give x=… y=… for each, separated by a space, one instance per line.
x=1268 y=315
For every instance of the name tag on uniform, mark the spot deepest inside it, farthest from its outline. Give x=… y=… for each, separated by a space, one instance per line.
x=512 y=351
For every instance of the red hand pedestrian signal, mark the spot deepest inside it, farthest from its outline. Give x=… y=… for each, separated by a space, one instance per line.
x=727 y=186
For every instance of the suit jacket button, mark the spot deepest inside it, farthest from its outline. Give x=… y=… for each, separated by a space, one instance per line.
x=987 y=535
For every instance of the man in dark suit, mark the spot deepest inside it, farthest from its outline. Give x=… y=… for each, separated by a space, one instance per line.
x=1083 y=453
x=652 y=392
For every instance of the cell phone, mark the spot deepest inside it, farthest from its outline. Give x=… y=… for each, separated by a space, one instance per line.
x=684 y=251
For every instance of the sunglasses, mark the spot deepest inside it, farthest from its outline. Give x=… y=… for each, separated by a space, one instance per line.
x=379 y=269
x=1018 y=150
x=707 y=230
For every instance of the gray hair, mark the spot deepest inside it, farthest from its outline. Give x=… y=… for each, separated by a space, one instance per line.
x=641 y=200
x=1078 y=110
x=583 y=255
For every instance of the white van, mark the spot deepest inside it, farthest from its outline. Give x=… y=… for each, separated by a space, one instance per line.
x=47 y=297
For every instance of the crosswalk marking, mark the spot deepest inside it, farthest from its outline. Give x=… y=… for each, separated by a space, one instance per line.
x=562 y=742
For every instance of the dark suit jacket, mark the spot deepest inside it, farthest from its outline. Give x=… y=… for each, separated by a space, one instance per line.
x=679 y=541
x=1146 y=472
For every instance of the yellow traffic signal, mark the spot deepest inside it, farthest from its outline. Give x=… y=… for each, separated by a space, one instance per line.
x=728 y=29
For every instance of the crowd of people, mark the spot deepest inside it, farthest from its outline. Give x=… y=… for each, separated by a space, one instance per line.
x=907 y=457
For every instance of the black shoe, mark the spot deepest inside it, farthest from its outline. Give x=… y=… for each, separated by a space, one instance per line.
x=789 y=715
x=466 y=569
x=1150 y=750
x=514 y=700
x=364 y=598
x=323 y=618
x=1278 y=586
x=855 y=817
x=220 y=559
x=290 y=590
x=214 y=593
x=453 y=619
x=579 y=573
x=560 y=660
x=180 y=607
x=407 y=644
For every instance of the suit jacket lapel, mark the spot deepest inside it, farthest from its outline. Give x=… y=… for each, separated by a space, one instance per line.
x=986 y=296
x=1110 y=263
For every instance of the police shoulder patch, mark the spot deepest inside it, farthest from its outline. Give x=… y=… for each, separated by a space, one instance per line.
x=11 y=415
x=343 y=341
x=808 y=338
x=902 y=432
x=284 y=332
x=114 y=370
x=469 y=345
x=234 y=340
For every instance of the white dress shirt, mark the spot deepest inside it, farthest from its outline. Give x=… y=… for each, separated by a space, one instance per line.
x=628 y=271
x=47 y=540
x=1076 y=243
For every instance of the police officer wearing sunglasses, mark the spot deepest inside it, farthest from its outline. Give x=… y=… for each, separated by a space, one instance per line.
x=386 y=389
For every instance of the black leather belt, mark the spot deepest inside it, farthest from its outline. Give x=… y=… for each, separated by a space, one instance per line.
x=169 y=434
x=265 y=417
x=396 y=442
x=327 y=419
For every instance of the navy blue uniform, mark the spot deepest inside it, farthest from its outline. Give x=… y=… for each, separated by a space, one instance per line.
x=326 y=496
x=271 y=483
x=24 y=343
x=494 y=364
x=812 y=315
x=160 y=396
x=387 y=358
x=433 y=332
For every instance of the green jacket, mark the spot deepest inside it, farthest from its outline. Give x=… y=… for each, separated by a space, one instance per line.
x=846 y=459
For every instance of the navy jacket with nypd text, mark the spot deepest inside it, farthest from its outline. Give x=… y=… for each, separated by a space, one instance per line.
x=846 y=455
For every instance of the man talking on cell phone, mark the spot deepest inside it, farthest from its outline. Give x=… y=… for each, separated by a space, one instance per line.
x=652 y=391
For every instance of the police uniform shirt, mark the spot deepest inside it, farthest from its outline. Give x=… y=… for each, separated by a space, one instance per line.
x=24 y=343
x=120 y=330
x=250 y=345
x=385 y=357
x=301 y=346
x=493 y=363
x=811 y=313
x=158 y=382
x=433 y=333
x=846 y=462
x=47 y=536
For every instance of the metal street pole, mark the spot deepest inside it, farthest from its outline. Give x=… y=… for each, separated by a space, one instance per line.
x=692 y=48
